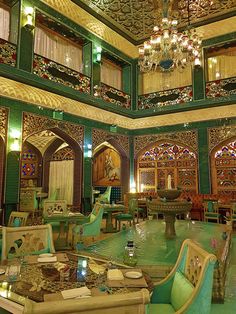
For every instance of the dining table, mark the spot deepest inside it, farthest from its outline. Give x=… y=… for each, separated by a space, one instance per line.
x=43 y=281
x=61 y=243
x=109 y=209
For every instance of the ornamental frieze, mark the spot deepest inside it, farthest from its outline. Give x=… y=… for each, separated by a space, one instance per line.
x=101 y=136
x=35 y=124
x=220 y=134
x=188 y=138
x=3 y=122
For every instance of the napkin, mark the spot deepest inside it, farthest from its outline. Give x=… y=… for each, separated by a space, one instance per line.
x=114 y=274
x=96 y=268
x=76 y=293
x=47 y=259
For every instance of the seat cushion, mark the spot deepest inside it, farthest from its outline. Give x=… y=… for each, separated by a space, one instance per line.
x=160 y=309
x=181 y=291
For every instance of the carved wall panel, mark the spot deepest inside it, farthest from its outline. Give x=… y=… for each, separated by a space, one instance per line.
x=220 y=134
x=100 y=136
x=34 y=124
x=188 y=138
x=3 y=122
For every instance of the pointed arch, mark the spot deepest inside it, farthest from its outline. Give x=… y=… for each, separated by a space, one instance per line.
x=223 y=168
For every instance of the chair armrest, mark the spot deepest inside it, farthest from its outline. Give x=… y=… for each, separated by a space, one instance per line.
x=162 y=291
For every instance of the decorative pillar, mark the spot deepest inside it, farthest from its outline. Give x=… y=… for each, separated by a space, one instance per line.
x=198 y=83
x=203 y=162
x=87 y=184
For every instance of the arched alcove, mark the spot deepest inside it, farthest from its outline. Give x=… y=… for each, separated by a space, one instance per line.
x=223 y=168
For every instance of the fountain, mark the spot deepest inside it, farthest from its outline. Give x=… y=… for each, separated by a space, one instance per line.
x=169 y=207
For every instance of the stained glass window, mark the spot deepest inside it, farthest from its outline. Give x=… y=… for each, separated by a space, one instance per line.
x=167 y=159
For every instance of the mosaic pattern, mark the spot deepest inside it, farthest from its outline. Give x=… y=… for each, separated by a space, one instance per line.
x=58 y=73
x=28 y=170
x=100 y=136
x=7 y=53
x=3 y=123
x=35 y=124
x=147 y=178
x=65 y=153
x=189 y=138
x=115 y=96
x=221 y=88
x=187 y=178
x=165 y=98
x=220 y=134
x=135 y=19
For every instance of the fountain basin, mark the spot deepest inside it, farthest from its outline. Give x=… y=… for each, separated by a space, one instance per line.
x=169 y=194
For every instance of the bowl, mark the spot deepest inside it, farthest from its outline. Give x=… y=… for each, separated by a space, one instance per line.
x=170 y=194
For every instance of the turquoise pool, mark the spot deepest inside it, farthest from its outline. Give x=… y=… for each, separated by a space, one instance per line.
x=152 y=246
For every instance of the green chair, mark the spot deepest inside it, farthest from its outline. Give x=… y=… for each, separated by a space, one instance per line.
x=17 y=219
x=211 y=211
x=91 y=228
x=188 y=287
x=105 y=197
x=128 y=216
x=28 y=201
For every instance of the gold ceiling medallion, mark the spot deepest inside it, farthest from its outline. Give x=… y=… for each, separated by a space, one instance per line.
x=168 y=48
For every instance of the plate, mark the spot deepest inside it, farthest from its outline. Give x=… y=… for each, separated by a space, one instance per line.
x=2 y=271
x=133 y=274
x=46 y=255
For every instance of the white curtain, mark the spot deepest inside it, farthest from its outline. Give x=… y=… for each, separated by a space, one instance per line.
x=159 y=81
x=58 y=49
x=223 y=66
x=61 y=176
x=111 y=74
x=4 y=23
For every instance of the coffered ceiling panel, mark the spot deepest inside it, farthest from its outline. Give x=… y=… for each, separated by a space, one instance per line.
x=134 y=19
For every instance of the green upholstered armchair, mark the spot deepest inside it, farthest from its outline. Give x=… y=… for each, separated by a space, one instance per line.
x=128 y=216
x=91 y=228
x=105 y=197
x=188 y=287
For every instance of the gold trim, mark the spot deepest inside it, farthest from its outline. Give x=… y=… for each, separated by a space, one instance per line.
x=32 y=95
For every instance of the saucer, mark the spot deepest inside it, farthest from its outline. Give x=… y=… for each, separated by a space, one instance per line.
x=133 y=274
x=46 y=255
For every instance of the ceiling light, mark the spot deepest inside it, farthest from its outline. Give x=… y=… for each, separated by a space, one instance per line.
x=168 y=48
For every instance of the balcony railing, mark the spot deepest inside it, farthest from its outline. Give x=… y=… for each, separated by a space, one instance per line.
x=115 y=96
x=7 y=53
x=58 y=73
x=221 y=88
x=165 y=98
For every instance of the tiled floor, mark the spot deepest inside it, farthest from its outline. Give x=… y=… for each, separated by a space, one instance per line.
x=229 y=306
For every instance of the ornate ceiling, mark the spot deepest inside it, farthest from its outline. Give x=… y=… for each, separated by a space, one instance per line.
x=134 y=19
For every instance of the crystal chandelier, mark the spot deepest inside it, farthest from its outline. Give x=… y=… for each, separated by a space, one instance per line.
x=168 y=49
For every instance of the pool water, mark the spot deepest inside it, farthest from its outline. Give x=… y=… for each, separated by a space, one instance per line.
x=151 y=245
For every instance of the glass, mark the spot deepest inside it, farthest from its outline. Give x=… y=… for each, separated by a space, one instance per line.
x=82 y=269
x=130 y=257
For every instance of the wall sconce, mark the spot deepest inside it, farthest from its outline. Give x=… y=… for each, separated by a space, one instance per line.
x=98 y=54
x=133 y=187
x=15 y=145
x=29 y=18
x=89 y=152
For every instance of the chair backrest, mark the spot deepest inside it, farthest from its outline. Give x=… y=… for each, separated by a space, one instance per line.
x=106 y=196
x=233 y=211
x=197 y=267
x=211 y=207
x=133 y=205
x=122 y=303
x=51 y=208
x=17 y=241
x=17 y=219
x=28 y=200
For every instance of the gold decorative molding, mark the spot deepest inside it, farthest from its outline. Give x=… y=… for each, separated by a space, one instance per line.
x=93 y=25
x=187 y=138
x=35 y=124
x=101 y=136
x=3 y=122
x=32 y=95
x=220 y=134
